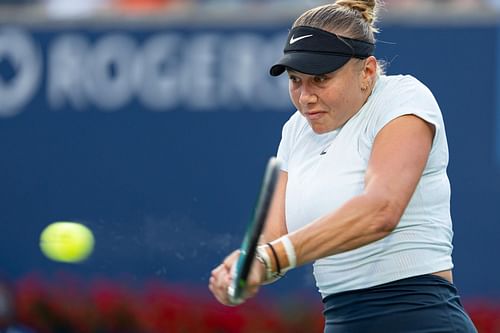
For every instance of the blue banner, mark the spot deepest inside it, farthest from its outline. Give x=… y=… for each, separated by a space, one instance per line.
x=497 y=94
x=159 y=71
x=156 y=138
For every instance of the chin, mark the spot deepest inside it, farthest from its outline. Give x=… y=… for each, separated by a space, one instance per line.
x=320 y=129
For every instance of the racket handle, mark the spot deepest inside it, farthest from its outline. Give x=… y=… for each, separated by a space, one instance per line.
x=234 y=293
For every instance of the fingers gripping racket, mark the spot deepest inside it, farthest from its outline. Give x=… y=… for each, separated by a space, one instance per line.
x=252 y=234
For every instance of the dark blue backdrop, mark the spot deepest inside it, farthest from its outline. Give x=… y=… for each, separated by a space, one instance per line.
x=158 y=144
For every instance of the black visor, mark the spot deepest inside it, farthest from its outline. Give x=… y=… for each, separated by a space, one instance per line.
x=314 y=51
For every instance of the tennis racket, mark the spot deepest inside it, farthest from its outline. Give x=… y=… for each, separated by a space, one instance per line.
x=252 y=234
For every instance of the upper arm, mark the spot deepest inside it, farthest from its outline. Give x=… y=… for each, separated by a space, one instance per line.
x=398 y=158
x=275 y=226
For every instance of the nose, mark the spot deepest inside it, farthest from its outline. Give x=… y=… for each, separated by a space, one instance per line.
x=307 y=95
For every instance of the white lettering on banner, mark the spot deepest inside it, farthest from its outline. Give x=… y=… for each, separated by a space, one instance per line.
x=241 y=69
x=79 y=74
x=195 y=71
x=18 y=52
x=198 y=82
x=273 y=92
x=156 y=70
x=203 y=72
x=108 y=80
x=67 y=57
x=245 y=74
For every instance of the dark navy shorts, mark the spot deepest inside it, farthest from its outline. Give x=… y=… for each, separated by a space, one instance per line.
x=421 y=304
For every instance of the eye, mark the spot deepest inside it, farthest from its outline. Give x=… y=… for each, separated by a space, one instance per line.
x=320 y=78
x=293 y=78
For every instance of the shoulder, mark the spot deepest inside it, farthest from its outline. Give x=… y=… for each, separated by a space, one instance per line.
x=399 y=95
x=404 y=89
x=294 y=125
x=290 y=134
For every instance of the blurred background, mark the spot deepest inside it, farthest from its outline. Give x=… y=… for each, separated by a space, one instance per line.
x=150 y=122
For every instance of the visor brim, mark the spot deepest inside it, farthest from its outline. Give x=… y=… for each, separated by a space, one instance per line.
x=309 y=63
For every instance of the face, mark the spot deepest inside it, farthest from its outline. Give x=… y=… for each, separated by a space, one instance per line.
x=328 y=101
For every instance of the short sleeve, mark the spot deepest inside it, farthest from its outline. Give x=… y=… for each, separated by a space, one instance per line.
x=397 y=96
x=414 y=99
x=288 y=137
x=283 y=154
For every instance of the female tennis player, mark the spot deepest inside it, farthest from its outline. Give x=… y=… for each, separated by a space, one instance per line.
x=363 y=192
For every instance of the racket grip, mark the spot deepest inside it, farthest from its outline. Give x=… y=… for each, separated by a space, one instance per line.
x=234 y=293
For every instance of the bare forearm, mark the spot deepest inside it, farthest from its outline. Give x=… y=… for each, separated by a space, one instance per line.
x=358 y=222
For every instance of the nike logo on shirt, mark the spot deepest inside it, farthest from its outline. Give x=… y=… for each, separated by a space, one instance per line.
x=293 y=39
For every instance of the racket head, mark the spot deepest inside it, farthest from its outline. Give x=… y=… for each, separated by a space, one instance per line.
x=254 y=229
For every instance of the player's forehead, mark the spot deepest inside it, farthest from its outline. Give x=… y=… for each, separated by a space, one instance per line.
x=292 y=72
x=297 y=73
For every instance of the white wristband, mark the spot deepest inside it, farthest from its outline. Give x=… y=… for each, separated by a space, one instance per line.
x=262 y=254
x=290 y=252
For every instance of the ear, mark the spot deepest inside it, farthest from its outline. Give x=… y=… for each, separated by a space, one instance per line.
x=369 y=71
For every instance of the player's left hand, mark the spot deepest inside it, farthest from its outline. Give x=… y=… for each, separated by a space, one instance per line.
x=221 y=279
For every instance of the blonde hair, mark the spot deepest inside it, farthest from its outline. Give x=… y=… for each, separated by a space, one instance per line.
x=348 y=18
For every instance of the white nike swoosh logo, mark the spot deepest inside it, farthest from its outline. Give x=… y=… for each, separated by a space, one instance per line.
x=293 y=40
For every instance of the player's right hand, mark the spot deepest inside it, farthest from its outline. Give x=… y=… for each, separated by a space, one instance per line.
x=221 y=278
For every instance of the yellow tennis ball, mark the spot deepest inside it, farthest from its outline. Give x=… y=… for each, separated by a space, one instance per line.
x=67 y=242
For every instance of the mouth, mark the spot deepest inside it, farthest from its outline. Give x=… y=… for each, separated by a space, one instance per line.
x=313 y=115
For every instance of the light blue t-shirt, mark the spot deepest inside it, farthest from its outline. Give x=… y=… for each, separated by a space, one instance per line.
x=326 y=170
